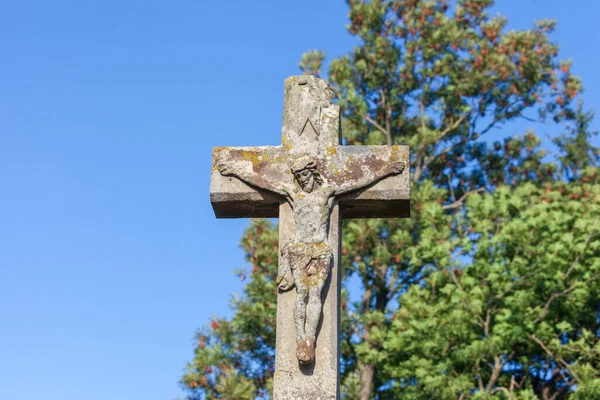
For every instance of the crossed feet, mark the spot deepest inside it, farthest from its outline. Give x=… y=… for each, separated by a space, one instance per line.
x=305 y=351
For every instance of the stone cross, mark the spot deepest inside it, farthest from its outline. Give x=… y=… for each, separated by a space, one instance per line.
x=310 y=182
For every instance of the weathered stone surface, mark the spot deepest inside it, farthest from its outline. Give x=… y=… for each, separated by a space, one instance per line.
x=320 y=380
x=310 y=181
x=232 y=198
x=388 y=198
x=310 y=120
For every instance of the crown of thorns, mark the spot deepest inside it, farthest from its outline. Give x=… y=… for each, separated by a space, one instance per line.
x=303 y=163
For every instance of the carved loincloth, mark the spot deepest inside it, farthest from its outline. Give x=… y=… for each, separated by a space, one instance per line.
x=310 y=258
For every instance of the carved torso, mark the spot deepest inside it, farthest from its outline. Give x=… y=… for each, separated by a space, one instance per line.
x=309 y=170
x=311 y=214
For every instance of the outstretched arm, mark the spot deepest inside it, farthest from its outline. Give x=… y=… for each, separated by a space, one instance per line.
x=391 y=169
x=253 y=179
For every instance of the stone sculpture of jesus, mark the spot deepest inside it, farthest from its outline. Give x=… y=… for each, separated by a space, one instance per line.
x=306 y=262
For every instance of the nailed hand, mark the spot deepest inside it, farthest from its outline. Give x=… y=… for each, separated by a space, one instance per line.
x=225 y=169
x=397 y=168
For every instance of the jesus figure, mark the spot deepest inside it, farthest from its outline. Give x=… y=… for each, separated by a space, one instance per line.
x=306 y=262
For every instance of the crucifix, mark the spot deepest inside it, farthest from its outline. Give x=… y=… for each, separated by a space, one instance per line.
x=310 y=182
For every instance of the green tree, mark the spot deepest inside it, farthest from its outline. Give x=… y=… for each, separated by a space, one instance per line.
x=514 y=312
x=489 y=288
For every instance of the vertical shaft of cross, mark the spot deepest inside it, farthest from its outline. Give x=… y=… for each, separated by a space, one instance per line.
x=319 y=380
x=310 y=126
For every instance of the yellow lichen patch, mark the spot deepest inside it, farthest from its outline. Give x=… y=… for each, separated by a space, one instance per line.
x=285 y=143
x=257 y=159
x=331 y=150
x=218 y=155
x=399 y=153
x=321 y=248
x=305 y=279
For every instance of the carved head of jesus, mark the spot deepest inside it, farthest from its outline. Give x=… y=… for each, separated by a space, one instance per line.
x=306 y=174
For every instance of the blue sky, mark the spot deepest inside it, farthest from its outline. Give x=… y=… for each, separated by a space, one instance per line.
x=110 y=255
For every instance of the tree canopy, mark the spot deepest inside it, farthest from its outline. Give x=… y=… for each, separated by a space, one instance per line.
x=491 y=290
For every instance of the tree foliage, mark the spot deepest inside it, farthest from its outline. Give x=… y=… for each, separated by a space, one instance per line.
x=490 y=289
x=513 y=313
